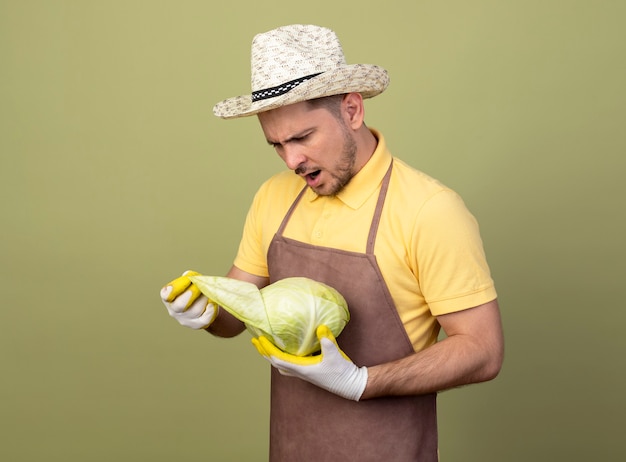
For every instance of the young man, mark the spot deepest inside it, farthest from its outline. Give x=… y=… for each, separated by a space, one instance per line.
x=398 y=245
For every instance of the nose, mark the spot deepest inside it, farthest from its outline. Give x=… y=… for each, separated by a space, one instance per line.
x=292 y=157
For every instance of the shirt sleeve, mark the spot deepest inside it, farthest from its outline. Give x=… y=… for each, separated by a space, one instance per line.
x=251 y=257
x=452 y=268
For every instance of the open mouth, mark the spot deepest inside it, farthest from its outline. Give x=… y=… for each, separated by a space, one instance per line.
x=312 y=178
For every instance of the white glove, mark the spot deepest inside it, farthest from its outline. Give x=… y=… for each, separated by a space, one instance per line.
x=332 y=370
x=186 y=304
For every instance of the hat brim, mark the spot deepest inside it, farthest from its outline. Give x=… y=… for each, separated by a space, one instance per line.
x=367 y=79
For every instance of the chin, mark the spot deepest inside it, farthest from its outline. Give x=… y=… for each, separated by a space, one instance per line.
x=322 y=192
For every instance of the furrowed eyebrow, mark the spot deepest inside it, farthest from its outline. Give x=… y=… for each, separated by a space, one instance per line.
x=292 y=138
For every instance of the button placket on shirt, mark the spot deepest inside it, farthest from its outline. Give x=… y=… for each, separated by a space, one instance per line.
x=321 y=226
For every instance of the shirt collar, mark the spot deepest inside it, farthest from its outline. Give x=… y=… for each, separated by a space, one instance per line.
x=367 y=180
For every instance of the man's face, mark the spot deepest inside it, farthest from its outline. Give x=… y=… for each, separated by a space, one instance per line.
x=314 y=143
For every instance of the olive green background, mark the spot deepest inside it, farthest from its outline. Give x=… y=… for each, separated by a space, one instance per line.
x=115 y=177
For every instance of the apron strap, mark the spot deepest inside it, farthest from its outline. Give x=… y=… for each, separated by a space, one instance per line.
x=281 y=228
x=371 y=239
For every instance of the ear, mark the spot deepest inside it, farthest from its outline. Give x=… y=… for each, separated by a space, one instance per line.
x=354 y=110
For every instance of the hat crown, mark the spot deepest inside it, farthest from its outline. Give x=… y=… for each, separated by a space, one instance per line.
x=292 y=52
x=298 y=63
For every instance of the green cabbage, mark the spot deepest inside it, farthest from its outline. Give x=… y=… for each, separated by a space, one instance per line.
x=287 y=312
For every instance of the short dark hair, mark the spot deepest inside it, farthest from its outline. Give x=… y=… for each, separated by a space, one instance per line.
x=331 y=103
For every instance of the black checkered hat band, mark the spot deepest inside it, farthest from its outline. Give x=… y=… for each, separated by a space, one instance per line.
x=280 y=89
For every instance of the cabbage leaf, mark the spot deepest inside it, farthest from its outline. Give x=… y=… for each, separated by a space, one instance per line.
x=287 y=312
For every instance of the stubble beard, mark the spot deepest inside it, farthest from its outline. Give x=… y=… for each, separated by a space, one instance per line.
x=344 y=170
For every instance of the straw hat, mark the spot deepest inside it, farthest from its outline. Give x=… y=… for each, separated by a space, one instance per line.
x=298 y=63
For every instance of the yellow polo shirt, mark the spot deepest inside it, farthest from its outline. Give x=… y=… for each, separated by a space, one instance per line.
x=428 y=244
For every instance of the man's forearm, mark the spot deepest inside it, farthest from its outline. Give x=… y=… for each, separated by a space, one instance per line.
x=447 y=364
x=472 y=352
x=226 y=325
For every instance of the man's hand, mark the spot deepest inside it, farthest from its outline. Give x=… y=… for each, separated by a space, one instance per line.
x=186 y=304
x=332 y=370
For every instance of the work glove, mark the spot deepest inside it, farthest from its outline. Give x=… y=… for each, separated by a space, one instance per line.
x=186 y=304
x=331 y=370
